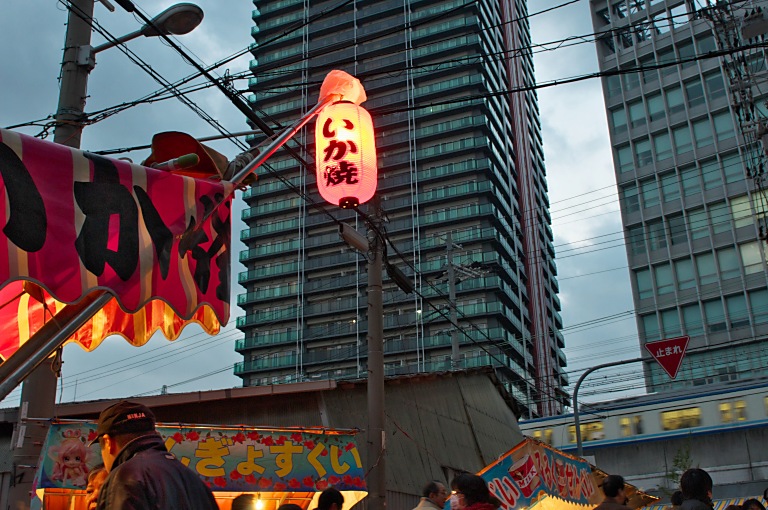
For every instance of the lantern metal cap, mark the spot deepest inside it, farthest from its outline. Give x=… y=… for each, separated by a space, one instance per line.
x=348 y=202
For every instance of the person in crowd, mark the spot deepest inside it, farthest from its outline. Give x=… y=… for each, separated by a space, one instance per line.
x=471 y=493
x=330 y=499
x=143 y=475
x=433 y=496
x=95 y=480
x=752 y=504
x=676 y=499
x=288 y=506
x=733 y=507
x=614 y=490
x=696 y=485
x=244 y=502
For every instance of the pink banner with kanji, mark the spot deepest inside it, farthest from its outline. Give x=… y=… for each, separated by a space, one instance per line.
x=74 y=223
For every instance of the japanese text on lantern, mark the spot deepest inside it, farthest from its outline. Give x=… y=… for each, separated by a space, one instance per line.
x=337 y=169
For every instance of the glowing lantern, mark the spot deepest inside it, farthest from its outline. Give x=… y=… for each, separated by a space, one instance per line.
x=345 y=154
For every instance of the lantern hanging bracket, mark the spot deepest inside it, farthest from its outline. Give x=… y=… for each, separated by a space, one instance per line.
x=282 y=138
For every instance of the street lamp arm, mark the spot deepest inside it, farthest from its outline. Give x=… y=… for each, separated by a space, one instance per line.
x=576 y=396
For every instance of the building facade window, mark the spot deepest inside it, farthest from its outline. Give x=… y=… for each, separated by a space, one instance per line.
x=714 y=316
x=631 y=198
x=644 y=285
x=692 y=319
x=733 y=169
x=728 y=263
x=705 y=267
x=675 y=102
x=643 y=152
x=694 y=93
x=655 y=107
x=651 y=327
x=663 y=146
x=656 y=238
x=686 y=278
x=665 y=284
x=689 y=178
x=702 y=133
x=677 y=230
x=758 y=305
x=738 y=314
x=669 y=187
x=682 y=138
x=650 y=193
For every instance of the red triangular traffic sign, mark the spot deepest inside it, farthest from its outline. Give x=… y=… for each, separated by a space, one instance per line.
x=669 y=353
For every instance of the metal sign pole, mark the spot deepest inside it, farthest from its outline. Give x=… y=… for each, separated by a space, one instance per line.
x=576 y=396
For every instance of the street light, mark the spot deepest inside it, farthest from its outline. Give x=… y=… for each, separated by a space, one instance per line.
x=79 y=59
x=177 y=19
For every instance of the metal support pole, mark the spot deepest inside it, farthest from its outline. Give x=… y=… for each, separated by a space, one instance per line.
x=48 y=338
x=283 y=137
x=376 y=432
x=576 y=396
x=452 y=299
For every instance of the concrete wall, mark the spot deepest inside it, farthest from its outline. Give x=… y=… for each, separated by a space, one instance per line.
x=737 y=461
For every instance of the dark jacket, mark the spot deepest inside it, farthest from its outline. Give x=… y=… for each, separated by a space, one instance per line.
x=145 y=476
x=694 y=504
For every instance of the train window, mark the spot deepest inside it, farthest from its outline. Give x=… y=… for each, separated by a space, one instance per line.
x=681 y=419
x=733 y=411
x=740 y=410
x=543 y=435
x=631 y=425
x=591 y=431
x=725 y=412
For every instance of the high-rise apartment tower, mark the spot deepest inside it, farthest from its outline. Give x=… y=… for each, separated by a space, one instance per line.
x=460 y=152
x=683 y=96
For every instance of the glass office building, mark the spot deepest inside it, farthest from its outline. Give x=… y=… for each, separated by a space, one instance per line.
x=460 y=152
x=682 y=105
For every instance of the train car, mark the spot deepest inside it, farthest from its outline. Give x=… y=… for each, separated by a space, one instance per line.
x=691 y=411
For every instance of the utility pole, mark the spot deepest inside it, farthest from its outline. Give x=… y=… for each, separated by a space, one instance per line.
x=38 y=392
x=75 y=68
x=452 y=299
x=377 y=489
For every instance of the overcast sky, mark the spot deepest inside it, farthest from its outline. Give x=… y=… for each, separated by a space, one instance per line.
x=594 y=282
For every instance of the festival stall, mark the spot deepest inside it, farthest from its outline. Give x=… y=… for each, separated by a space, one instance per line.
x=536 y=474
x=288 y=465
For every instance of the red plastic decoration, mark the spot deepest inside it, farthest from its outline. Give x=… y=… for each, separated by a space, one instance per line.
x=345 y=155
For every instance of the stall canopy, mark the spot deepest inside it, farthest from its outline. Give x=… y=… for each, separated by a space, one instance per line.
x=535 y=474
x=279 y=465
x=76 y=224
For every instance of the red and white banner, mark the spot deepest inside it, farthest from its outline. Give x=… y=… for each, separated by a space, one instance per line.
x=73 y=223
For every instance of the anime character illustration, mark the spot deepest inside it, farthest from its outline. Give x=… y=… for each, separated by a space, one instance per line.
x=70 y=459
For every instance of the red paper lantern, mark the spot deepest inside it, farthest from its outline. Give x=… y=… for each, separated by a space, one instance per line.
x=345 y=157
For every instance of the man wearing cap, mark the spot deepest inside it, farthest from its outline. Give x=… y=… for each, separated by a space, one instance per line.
x=614 y=489
x=143 y=475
